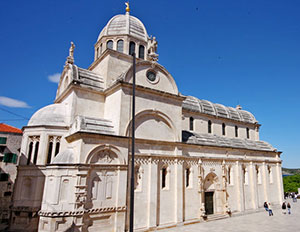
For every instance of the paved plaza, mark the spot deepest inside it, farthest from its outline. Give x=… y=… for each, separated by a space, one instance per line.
x=260 y=221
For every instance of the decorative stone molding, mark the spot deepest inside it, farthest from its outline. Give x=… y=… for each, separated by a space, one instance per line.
x=81 y=212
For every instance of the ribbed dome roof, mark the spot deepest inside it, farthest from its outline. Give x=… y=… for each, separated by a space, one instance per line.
x=207 y=107
x=125 y=24
x=51 y=115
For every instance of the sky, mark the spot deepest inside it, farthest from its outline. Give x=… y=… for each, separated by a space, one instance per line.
x=230 y=52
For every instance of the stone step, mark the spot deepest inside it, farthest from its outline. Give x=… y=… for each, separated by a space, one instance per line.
x=214 y=217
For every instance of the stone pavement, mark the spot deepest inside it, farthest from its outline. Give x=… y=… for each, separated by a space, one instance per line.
x=256 y=222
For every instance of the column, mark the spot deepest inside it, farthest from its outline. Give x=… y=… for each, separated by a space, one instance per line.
x=153 y=193
x=252 y=172
x=239 y=187
x=178 y=191
x=279 y=182
x=265 y=183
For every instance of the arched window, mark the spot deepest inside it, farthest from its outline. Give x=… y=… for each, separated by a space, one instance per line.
x=248 y=136
x=258 y=175
x=36 y=152
x=141 y=52
x=120 y=45
x=110 y=44
x=49 y=152
x=97 y=53
x=131 y=48
x=57 y=148
x=236 y=131
x=209 y=126
x=223 y=129
x=29 y=152
x=100 y=52
x=191 y=123
x=245 y=172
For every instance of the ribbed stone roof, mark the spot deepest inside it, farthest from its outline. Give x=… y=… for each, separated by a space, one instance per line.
x=125 y=24
x=222 y=141
x=90 y=79
x=207 y=107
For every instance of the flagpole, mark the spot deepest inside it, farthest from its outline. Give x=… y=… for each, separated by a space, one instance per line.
x=132 y=149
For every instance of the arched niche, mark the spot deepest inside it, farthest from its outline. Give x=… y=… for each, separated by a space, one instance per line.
x=164 y=80
x=210 y=182
x=152 y=124
x=105 y=154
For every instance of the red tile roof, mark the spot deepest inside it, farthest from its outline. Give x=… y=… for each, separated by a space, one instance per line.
x=6 y=128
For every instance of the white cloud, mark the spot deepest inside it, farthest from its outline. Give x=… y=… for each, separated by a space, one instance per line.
x=54 y=77
x=10 y=102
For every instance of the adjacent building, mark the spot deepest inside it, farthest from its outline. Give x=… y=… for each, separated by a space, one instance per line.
x=10 y=144
x=194 y=158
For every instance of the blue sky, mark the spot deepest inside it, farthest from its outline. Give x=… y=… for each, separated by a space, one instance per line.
x=229 y=52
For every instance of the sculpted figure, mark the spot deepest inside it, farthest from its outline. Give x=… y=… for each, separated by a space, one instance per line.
x=71 y=50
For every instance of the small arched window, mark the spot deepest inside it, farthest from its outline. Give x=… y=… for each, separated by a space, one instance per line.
x=110 y=44
x=100 y=52
x=49 y=152
x=120 y=45
x=57 y=148
x=131 y=48
x=97 y=53
x=191 y=123
x=36 y=151
x=29 y=152
x=223 y=129
x=236 y=131
x=209 y=126
x=141 y=52
x=248 y=135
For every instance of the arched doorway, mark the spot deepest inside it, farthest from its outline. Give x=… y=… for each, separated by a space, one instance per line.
x=210 y=182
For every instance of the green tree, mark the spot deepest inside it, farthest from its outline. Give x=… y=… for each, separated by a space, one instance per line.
x=291 y=183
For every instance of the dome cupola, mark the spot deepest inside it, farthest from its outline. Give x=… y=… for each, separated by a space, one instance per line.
x=126 y=34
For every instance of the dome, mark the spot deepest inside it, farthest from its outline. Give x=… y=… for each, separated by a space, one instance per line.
x=51 y=115
x=125 y=24
x=64 y=157
x=207 y=107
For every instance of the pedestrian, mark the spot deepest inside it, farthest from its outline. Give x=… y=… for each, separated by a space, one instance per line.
x=270 y=209
x=289 y=207
x=283 y=207
x=266 y=206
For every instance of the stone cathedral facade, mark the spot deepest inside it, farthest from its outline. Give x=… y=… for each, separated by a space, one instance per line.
x=194 y=159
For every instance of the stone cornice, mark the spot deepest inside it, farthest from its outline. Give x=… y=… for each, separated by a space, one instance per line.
x=81 y=212
x=82 y=135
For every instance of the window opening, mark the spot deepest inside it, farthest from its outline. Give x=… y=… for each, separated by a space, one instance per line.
x=163 y=177
x=223 y=129
x=49 y=152
x=131 y=48
x=29 y=152
x=191 y=123
x=141 y=52
x=110 y=44
x=236 y=131
x=120 y=45
x=187 y=177
x=248 y=136
x=57 y=148
x=36 y=152
x=209 y=126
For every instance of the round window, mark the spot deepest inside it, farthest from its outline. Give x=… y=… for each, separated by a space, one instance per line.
x=151 y=76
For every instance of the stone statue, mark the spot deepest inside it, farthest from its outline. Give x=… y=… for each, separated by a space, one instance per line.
x=152 y=48
x=71 y=50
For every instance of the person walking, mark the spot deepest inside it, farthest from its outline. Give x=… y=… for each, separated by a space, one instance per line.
x=283 y=207
x=270 y=209
x=289 y=207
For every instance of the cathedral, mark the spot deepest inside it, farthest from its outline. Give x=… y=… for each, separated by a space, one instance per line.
x=194 y=160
